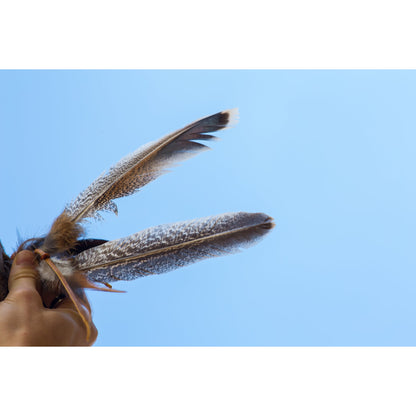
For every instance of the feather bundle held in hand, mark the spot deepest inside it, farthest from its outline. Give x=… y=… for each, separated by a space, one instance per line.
x=68 y=263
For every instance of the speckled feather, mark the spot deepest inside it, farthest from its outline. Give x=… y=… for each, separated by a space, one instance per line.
x=167 y=247
x=144 y=165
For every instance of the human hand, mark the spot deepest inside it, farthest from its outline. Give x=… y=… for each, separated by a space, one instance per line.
x=24 y=321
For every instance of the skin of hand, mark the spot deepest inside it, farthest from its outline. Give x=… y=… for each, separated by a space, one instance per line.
x=24 y=320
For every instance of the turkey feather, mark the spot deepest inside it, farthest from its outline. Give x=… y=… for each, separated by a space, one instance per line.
x=144 y=165
x=167 y=247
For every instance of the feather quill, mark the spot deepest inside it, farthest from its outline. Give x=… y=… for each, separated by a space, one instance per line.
x=167 y=247
x=144 y=165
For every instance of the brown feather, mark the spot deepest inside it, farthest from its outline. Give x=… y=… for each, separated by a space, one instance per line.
x=63 y=235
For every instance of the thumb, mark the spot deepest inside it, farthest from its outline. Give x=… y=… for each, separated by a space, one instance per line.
x=23 y=273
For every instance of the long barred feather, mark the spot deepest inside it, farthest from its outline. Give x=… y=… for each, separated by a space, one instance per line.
x=144 y=165
x=166 y=247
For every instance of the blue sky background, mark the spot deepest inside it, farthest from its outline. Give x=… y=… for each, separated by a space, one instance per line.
x=329 y=154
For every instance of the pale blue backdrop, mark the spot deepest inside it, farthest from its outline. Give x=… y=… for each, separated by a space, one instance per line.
x=329 y=154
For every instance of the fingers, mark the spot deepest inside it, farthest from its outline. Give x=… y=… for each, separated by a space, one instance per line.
x=39 y=325
x=94 y=334
x=24 y=277
x=68 y=308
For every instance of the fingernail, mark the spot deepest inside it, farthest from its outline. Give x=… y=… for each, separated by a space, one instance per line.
x=24 y=258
